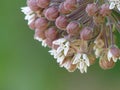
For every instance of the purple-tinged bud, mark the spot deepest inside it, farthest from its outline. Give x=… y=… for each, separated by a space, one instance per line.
x=61 y=22
x=70 y=5
x=115 y=51
x=105 y=64
x=39 y=34
x=73 y=28
x=92 y=9
x=32 y=25
x=41 y=23
x=55 y=46
x=62 y=9
x=52 y=13
x=33 y=5
x=43 y=3
x=49 y=42
x=67 y=63
x=51 y=33
x=86 y=33
x=105 y=11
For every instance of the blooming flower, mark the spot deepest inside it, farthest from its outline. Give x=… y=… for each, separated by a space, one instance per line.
x=114 y=3
x=82 y=62
x=61 y=51
x=30 y=16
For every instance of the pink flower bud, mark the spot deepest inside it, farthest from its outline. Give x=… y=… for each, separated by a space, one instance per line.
x=32 y=25
x=105 y=11
x=52 y=13
x=73 y=28
x=41 y=23
x=115 y=52
x=51 y=33
x=70 y=5
x=67 y=63
x=49 y=42
x=43 y=3
x=92 y=9
x=61 y=22
x=86 y=33
x=105 y=64
x=39 y=34
x=33 y=5
x=62 y=9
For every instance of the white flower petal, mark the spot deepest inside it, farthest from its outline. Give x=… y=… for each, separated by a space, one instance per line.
x=85 y=69
x=112 y=5
x=60 y=59
x=86 y=59
x=59 y=41
x=109 y=55
x=81 y=65
x=118 y=6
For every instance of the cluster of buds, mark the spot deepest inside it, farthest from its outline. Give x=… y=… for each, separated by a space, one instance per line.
x=78 y=32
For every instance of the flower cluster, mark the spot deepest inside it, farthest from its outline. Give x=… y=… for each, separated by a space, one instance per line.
x=78 y=32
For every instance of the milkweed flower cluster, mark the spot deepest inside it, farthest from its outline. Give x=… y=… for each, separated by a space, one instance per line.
x=78 y=32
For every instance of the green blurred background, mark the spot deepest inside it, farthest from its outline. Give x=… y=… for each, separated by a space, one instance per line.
x=25 y=65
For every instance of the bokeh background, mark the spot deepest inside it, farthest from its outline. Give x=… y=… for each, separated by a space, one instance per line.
x=26 y=65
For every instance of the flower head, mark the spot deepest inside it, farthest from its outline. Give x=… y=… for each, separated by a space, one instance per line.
x=77 y=31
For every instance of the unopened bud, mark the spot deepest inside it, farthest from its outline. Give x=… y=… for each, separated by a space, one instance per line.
x=41 y=23
x=70 y=5
x=61 y=22
x=115 y=52
x=39 y=34
x=92 y=9
x=73 y=28
x=105 y=11
x=33 y=5
x=62 y=9
x=105 y=64
x=32 y=25
x=52 y=13
x=49 y=42
x=86 y=33
x=43 y=3
x=51 y=33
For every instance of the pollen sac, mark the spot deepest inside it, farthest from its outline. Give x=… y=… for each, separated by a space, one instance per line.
x=52 y=13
